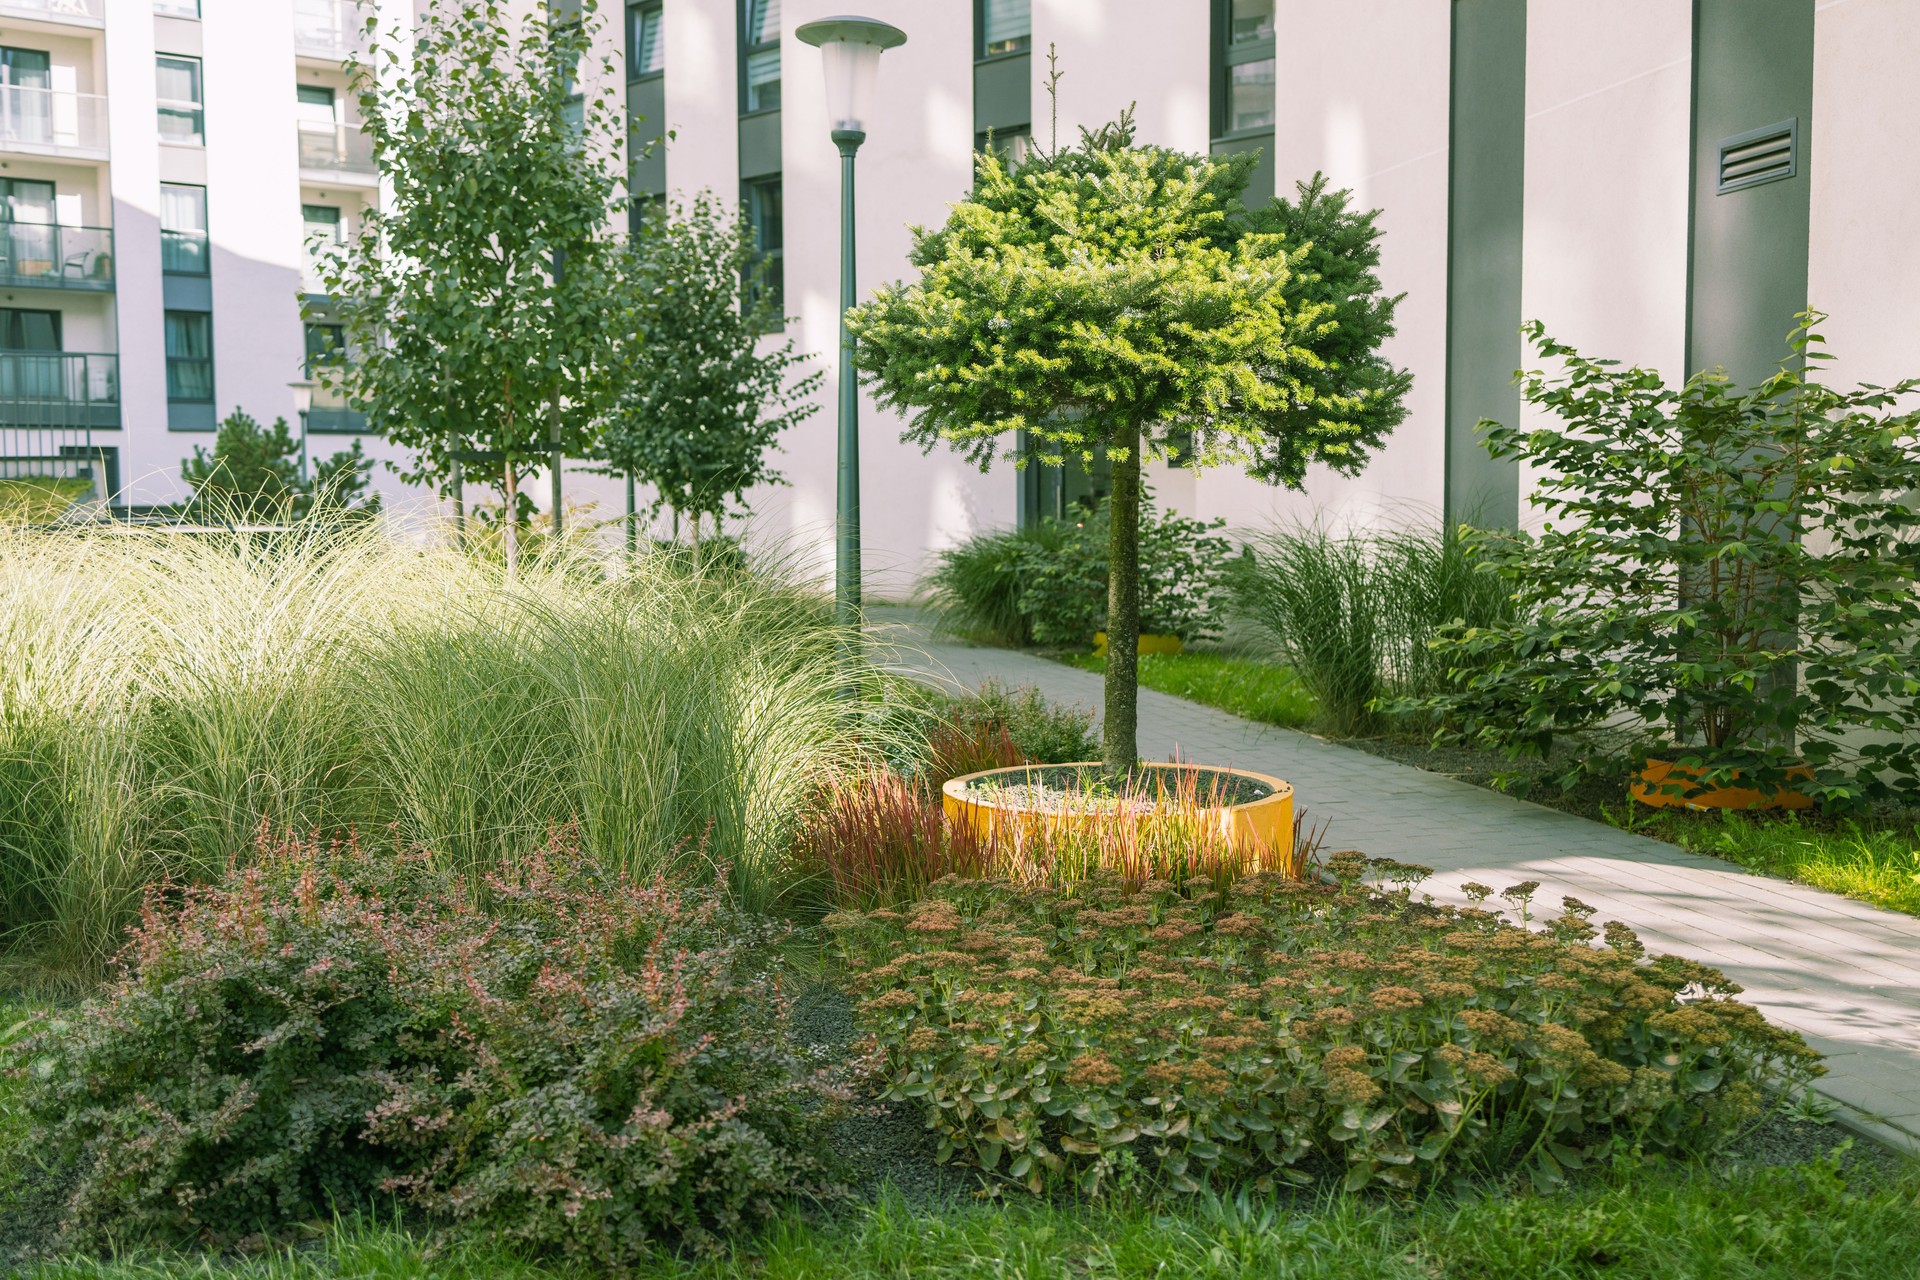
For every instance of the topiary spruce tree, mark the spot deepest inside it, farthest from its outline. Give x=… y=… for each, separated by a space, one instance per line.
x=1113 y=298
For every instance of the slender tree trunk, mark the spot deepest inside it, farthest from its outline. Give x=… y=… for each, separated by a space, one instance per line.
x=676 y=525
x=1120 y=749
x=510 y=522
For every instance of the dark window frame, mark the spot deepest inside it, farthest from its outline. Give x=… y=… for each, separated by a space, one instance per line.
x=747 y=50
x=1228 y=55
x=173 y=361
x=172 y=264
x=637 y=11
x=980 y=53
x=198 y=102
x=770 y=260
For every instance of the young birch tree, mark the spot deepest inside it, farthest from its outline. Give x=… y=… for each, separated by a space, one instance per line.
x=1111 y=298
x=463 y=333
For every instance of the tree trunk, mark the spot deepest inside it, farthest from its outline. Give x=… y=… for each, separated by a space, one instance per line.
x=510 y=523
x=1120 y=750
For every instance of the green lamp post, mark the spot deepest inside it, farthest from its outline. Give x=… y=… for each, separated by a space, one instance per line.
x=850 y=50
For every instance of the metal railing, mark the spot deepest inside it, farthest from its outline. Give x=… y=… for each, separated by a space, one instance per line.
x=59 y=389
x=52 y=121
x=89 y=13
x=336 y=148
x=45 y=255
x=183 y=253
x=331 y=29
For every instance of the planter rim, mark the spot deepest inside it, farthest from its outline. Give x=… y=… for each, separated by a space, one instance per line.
x=956 y=788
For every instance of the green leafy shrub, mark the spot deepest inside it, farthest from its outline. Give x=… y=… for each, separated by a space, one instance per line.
x=1279 y=1026
x=1354 y=616
x=1042 y=732
x=1733 y=574
x=587 y=1066
x=1047 y=584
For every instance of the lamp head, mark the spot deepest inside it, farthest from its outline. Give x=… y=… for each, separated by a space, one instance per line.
x=850 y=50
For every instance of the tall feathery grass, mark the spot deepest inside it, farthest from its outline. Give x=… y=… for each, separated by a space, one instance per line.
x=1352 y=614
x=162 y=693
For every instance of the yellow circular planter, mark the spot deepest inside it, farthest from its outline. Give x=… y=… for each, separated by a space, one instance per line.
x=1263 y=827
x=1148 y=644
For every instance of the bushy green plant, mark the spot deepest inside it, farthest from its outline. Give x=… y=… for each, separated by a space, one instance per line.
x=1354 y=615
x=586 y=1066
x=1247 y=1033
x=1047 y=584
x=1042 y=732
x=1734 y=573
x=253 y=473
x=161 y=691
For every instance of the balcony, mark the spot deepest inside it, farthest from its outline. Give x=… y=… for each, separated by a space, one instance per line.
x=79 y=13
x=59 y=390
x=332 y=152
x=41 y=255
x=53 y=122
x=330 y=30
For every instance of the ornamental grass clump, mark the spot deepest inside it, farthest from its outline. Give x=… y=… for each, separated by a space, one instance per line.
x=1279 y=1030
x=586 y=1066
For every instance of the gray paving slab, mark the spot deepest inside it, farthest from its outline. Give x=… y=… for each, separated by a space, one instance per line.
x=1845 y=974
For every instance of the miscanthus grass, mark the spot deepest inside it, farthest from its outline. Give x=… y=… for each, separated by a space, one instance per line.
x=162 y=693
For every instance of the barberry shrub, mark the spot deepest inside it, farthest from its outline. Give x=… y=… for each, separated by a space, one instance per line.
x=1279 y=1029
x=580 y=1064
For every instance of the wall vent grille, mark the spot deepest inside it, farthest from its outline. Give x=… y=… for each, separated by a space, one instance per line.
x=1761 y=155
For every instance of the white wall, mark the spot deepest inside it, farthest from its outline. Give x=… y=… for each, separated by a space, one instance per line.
x=1864 y=267
x=149 y=455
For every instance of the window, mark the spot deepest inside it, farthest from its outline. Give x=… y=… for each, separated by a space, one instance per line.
x=645 y=57
x=1250 y=95
x=177 y=8
x=762 y=53
x=1013 y=145
x=190 y=356
x=1252 y=21
x=26 y=330
x=1244 y=97
x=182 y=113
x=1006 y=26
x=323 y=220
x=316 y=104
x=326 y=345
x=645 y=209
x=183 y=229
x=765 y=220
x=27 y=79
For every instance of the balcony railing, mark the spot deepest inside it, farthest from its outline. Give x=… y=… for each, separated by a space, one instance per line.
x=336 y=148
x=85 y=13
x=43 y=255
x=70 y=462
x=52 y=122
x=59 y=389
x=183 y=253
x=330 y=29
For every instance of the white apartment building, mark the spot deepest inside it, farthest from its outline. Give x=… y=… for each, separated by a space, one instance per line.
x=1664 y=182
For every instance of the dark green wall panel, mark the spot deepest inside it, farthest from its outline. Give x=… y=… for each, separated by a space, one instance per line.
x=1002 y=93
x=1485 y=211
x=647 y=108
x=1747 y=249
x=760 y=144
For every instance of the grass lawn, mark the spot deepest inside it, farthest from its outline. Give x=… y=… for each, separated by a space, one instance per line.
x=32 y=499
x=1681 y=1224
x=1243 y=687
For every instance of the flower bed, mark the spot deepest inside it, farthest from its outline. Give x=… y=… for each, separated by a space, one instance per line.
x=1278 y=1028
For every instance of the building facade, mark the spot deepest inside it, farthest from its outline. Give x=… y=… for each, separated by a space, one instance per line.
x=1664 y=182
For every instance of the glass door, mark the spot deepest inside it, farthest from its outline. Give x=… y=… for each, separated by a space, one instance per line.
x=31 y=246
x=26 y=94
x=28 y=368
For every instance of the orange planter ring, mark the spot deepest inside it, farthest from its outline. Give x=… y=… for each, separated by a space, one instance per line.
x=1148 y=644
x=1650 y=789
x=1264 y=826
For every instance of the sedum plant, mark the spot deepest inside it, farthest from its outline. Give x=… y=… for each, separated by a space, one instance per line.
x=1105 y=299
x=1732 y=574
x=1276 y=1027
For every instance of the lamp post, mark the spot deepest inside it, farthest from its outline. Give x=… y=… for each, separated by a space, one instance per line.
x=303 y=405
x=850 y=50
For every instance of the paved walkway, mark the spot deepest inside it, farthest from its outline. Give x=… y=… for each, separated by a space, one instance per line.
x=1844 y=974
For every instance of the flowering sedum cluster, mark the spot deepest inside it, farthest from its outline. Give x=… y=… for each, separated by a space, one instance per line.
x=1277 y=1029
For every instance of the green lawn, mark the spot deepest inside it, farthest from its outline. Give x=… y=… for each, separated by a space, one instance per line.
x=1244 y=687
x=1874 y=863
x=31 y=499
x=1685 y=1224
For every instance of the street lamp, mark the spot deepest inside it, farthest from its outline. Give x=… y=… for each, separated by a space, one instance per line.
x=850 y=50
x=303 y=405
